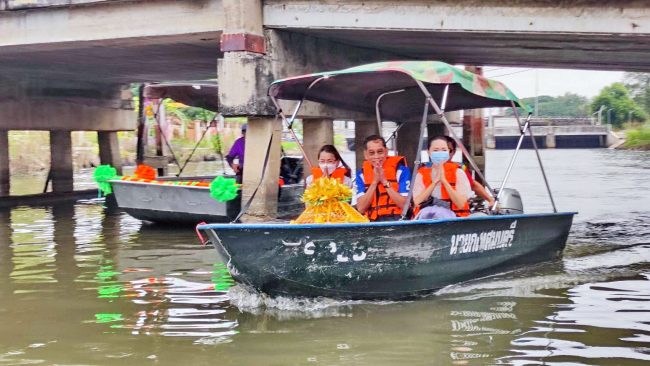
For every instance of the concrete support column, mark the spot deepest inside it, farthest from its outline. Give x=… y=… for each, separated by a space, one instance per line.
x=4 y=163
x=265 y=203
x=61 y=161
x=407 y=142
x=550 y=140
x=109 y=150
x=362 y=129
x=316 y=133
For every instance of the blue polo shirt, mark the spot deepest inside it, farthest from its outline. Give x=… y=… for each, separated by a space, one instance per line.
x=403 y=179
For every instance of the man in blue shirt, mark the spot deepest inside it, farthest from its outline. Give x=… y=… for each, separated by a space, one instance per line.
x=382 y=183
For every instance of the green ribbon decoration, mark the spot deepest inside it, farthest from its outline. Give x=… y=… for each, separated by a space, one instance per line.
x=223 y=189
x=102 y=175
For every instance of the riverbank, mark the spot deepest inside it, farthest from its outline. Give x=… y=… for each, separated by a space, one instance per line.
x=638 y=138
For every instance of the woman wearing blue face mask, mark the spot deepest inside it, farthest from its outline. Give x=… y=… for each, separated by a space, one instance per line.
x=442 y=189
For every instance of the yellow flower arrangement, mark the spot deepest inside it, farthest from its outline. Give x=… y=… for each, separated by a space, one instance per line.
x=326 y=201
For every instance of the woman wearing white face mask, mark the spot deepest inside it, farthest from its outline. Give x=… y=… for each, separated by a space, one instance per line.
x=442 y=189
x=330 y=164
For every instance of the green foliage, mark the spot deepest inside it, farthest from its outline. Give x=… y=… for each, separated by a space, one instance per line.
x=638 y=84
x=639 y=138
x=616 y=99
x=567 y=105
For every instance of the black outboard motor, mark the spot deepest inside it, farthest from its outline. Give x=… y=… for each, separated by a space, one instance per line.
x=510 y=202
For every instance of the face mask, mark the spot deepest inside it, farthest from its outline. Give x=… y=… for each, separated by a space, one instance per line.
x=439 y=157
x=327 y=168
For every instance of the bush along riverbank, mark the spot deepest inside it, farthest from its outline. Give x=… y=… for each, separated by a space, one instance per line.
x=638 y=138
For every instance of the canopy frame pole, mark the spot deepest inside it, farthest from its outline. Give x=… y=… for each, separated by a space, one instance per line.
x=289 y=123
x=459 y=142
x=418 y=155
x=539 y=158
x=377 y=113
x=512 y=160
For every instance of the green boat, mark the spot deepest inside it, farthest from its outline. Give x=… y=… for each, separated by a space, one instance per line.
x=402 y=259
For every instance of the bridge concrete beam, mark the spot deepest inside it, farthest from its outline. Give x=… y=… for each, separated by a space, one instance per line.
x=623 y=17
x=244 y=77
x=565 y=34
x=56 y=24
x=61 y=115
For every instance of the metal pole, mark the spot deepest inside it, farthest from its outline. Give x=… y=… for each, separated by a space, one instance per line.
x=379 y=126
x=512 y=161
x=453 y=134
x=284 y=119
x=416 y=166
x=139 y=155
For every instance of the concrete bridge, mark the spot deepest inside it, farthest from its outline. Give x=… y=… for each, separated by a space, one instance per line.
x=64 y=63
x=503 y=133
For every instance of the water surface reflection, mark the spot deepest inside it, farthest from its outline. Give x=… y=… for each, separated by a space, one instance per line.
x=81 y=285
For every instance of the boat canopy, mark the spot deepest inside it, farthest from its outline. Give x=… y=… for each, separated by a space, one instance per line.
x=203 y=94
x=357 y=88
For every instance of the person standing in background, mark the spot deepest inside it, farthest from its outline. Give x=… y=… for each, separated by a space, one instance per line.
x=235 y=157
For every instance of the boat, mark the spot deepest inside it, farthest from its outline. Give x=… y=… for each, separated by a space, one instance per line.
x=188 y=204
x=401 y=259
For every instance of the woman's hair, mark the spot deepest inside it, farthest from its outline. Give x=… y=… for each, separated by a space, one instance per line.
x=439 y=137
x=332 y=150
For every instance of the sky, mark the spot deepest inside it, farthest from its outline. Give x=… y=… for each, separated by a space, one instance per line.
x=552 y=82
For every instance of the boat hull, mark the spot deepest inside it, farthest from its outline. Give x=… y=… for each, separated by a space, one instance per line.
x=384 y=260
x=189 y=205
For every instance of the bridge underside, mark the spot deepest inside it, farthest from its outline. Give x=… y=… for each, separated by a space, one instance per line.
x=578 y=51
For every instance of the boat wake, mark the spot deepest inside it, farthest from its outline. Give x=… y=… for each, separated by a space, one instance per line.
x=284 y=308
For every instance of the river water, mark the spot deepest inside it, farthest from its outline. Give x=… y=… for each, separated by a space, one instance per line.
x=81 y=286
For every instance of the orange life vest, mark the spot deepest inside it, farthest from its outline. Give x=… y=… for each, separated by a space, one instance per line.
x=382 y=204
x=338 y=173
x=450 y=173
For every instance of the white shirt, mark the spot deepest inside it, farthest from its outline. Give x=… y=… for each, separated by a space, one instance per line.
x=462 y=185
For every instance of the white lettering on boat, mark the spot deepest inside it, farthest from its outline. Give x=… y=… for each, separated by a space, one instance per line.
x=291 y=244
x=482 y=241
x=309 y=248
x=355 y=253
x=359 y=257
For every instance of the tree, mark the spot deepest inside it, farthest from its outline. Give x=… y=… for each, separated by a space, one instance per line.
x=567 y=105
x=638 y=83
x=616 y=99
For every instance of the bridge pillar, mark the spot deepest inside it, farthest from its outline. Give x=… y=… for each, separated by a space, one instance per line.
x=316 y=133
x=4 y=163
x=61 y=161
x=265 y=204
x=362 y=129
x=550 y=140
x=109 y=150
x=407 y=142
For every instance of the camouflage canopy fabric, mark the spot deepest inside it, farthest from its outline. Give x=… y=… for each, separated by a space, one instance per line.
x=358 y=88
